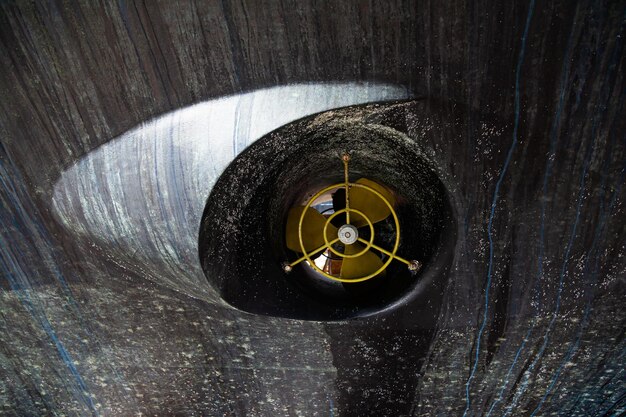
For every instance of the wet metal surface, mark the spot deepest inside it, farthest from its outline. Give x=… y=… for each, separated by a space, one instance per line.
x=104 y=312
x=168 y=166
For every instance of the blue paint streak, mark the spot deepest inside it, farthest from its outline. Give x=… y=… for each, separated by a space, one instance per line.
x=548 y=330
x=574 y=346
x=557 y=308
x=616 y=377
x=579 y=403
x=18 y=278
x=11 y=194
x=547 y=174
x=618 y=405
x=494 y=202
x=508 y=374
x=9 y=267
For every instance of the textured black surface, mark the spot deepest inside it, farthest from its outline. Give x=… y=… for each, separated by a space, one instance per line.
x=242 y=243
x=525 y=124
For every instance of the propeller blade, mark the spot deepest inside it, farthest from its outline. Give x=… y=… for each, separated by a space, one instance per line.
x=369 y=203
x=312 y=229
x=360 y=266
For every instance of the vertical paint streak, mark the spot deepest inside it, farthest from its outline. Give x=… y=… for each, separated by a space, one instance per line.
x=618 y=407
x=508 y=374
x=602 y=222
x=494 y=203
x=19 y=283
x=235 y=46
x=565 y=71
x=235 y=136
x=573 y=346
x=598 y=404
x=566 y=257
x=580 y=198
x=621 y=393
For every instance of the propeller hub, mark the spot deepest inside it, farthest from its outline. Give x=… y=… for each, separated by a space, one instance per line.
x=348 y=234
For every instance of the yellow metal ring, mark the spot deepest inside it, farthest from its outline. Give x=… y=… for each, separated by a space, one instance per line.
x=308 y=257
x=396 y=244
x=369 y=244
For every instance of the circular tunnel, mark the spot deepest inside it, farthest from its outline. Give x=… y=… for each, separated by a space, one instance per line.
x=242 y=237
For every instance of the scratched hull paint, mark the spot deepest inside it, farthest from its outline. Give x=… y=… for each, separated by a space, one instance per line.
x=523 y=113
x=141 y=196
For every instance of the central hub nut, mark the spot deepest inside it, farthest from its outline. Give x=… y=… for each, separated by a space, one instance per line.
x=348 y=234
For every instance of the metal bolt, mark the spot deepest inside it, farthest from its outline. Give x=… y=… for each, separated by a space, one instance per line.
x=415 y=266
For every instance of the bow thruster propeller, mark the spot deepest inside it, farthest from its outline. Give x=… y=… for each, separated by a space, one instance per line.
x=364 y=203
